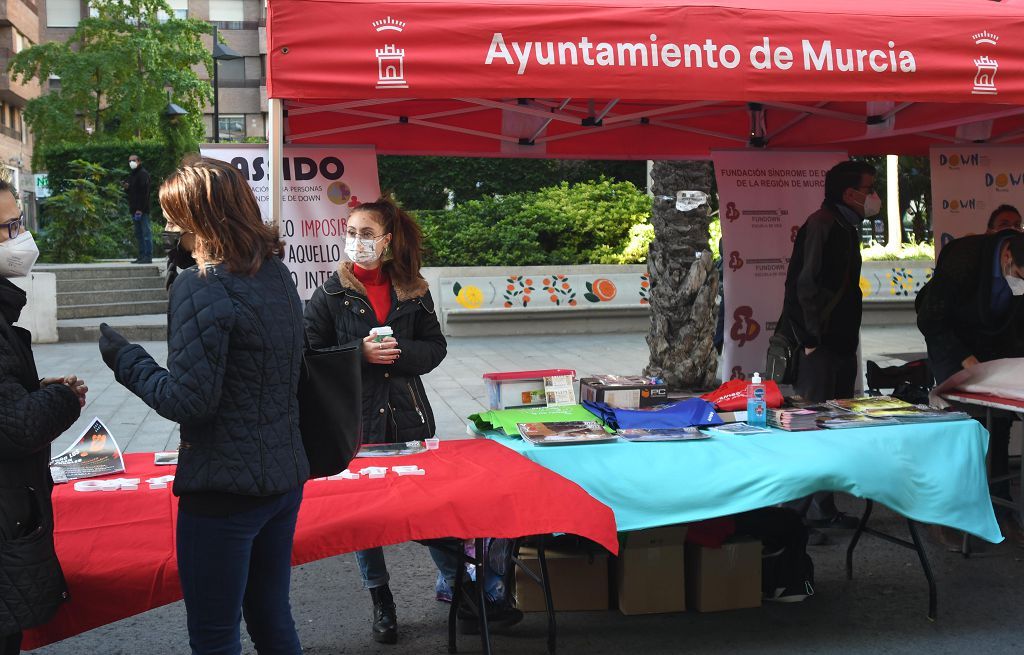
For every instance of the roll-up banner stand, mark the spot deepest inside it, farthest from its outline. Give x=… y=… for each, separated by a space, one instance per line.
x=764 y=198
x=969 y=183
x=321 y=186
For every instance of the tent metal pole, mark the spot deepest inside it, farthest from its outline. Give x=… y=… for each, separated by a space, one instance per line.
x=275 y=139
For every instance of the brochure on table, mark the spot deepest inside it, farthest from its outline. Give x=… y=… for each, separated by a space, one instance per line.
x=93 y=454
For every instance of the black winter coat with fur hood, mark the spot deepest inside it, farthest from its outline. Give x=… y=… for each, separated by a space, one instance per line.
x=395 y=406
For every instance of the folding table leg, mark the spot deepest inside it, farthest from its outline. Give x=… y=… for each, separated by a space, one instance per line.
x=932 y=594
x=453 y=609
x=548 y=602
x=481 y=585
x=868 y=506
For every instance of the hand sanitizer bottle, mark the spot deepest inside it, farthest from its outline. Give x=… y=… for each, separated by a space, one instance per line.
x=757 y=408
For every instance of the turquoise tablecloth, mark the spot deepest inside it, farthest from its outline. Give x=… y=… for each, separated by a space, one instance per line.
x=934 y=473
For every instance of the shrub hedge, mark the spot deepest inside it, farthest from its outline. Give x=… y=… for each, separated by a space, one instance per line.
x=584 y=223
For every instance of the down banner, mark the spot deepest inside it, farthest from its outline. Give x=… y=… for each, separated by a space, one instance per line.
x=969 y=183
x=764 y=198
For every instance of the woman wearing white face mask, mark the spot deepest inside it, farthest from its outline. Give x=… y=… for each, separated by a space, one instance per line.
x=33 y=413
x=382 y=286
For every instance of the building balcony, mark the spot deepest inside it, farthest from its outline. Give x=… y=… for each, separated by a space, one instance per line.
x=12 y=92
x=10 y=132
x=22 y=14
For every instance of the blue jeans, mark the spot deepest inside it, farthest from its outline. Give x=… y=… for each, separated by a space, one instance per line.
x=374 y=569
x=143 y=236
x=235 y=565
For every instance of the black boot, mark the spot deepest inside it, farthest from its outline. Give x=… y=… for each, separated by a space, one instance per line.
x=499 y=617
x=385 y=621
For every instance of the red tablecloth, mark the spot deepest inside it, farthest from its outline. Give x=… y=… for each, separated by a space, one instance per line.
x=118 y=548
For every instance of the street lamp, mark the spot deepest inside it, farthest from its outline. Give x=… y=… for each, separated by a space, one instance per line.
x=173 y=111
x=221 y=52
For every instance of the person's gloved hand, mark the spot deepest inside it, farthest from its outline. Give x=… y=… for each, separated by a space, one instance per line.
x=111 y=343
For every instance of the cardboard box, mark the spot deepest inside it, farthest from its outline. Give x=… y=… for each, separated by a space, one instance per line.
x=725 y=578
x=519 y=388
x=651 y=571
x=578 y=579
x=625 y=391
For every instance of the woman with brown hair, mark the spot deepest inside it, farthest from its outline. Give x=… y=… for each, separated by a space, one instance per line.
x=381 y=286
x=234 y=354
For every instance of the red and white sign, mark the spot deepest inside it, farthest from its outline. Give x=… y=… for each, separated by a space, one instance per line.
x=321 y=185
x=934 y=50
x=764 y=198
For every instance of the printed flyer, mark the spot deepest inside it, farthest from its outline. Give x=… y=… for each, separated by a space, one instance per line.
x=93 y=454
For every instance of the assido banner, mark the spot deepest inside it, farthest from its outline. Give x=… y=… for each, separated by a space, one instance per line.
x=321 y=185
x=764 y=198
x=968 y=183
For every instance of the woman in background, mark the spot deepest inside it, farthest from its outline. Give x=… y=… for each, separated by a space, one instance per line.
x=381 y=286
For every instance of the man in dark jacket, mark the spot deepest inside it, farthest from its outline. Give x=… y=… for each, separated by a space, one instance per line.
x=33 y=413
x=971 y=311
x=822 y=306
x=137 y=189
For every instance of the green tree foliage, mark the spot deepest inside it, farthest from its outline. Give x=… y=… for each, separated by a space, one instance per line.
x=112 y=157
x=431 y=182
x=84 y=216
x=584 y=223
x=115 y=72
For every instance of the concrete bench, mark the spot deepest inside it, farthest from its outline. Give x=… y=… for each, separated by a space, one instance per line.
x=541 y=300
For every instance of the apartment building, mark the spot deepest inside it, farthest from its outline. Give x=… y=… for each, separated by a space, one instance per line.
x=242 y=82
x=19 y=29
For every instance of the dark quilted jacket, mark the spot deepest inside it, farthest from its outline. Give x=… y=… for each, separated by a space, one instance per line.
x=234 y=354
x=954 y=310
x=395 y=405
x=31 y=582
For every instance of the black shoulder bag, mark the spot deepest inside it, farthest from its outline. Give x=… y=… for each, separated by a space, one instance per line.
x=330 y=408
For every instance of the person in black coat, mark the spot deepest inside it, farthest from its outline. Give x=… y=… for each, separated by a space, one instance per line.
x=380 y=286
x=137 y=189
x=33 y=413
x=971 y=311
x=235 y=339
x=822 y=306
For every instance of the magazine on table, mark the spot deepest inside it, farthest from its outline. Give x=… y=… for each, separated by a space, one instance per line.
x=391 y=449
x=662 y=434
x=739 y=428
x=896 y=410
x=869 y=404
x=564 y=433
x=855 y=421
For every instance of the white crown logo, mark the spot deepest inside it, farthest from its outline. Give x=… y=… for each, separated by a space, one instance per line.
x=985 y=37
x=389 y=23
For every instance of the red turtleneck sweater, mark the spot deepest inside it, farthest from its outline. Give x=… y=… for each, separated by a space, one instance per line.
x=378 y=290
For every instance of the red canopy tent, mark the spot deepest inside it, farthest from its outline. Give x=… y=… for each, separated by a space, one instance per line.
x=645 y=79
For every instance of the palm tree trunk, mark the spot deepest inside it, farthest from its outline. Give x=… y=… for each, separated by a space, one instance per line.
x=684 y=283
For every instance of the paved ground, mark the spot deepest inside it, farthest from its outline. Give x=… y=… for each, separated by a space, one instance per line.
x=882 y=610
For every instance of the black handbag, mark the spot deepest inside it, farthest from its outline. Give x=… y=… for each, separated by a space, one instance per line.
x=330 y=408
x=780 y=365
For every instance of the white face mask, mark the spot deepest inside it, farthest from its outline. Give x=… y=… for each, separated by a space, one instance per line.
x=1016 y=285
x=872 y=205
x=361 y=251
x=17 y=255
x=133 y=165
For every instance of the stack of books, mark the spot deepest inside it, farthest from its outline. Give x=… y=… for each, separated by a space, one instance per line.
x=793 y=419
